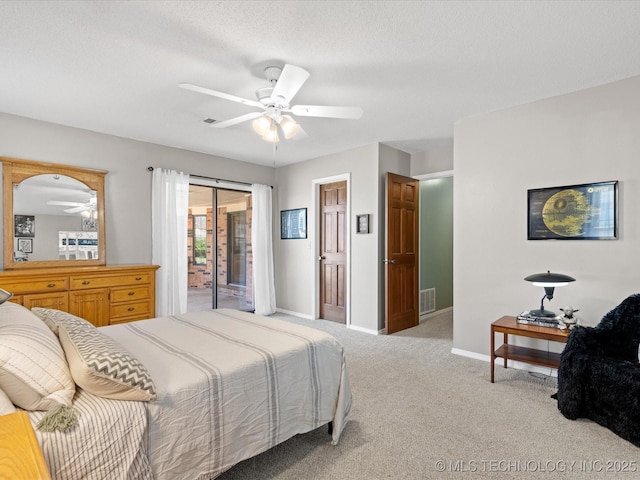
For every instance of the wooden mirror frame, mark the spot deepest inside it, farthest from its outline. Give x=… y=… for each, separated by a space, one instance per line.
x=15 y=171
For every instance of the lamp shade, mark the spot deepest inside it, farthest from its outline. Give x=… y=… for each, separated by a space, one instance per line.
x=289 y=127
x=272 y=134
x=549 y=279
x=262 y=125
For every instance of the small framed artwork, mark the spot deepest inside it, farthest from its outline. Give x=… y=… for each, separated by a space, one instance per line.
x=89 y=224
x=293 y=224
x=362 y=223
x=25 y=245
x=24 y=225
x=574 y=212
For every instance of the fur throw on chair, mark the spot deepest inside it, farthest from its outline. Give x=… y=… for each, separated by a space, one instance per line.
x=599 y=373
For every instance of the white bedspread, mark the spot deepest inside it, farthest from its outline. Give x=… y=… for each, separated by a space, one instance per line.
x=107 y=443
x=231 y=385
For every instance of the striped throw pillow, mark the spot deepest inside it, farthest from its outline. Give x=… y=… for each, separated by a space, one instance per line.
x=98 y=363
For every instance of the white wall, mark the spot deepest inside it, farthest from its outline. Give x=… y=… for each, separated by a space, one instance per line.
x=296 y=259
x=128 y=183
x=586 y=136
x=434 y=160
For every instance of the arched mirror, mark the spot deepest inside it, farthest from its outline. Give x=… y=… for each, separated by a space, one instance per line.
x=53 y=215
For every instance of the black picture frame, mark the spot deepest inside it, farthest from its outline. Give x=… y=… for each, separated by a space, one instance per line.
x=362 y=223
x=24 y=226
x=25 y=245
x=293 y=224
x=587 y=211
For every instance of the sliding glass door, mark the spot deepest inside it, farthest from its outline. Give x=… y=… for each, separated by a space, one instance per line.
x=219 y=249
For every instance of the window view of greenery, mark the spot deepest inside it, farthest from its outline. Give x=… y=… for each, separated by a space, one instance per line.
x=200 y=239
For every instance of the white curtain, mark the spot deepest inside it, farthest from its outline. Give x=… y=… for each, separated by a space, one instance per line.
x=169 y=213
x=264 y=291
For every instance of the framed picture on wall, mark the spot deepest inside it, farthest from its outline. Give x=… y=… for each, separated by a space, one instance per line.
x=362 y=223
x=24 y=225
x=25 y=245
x=293 y=224
x=574 y=212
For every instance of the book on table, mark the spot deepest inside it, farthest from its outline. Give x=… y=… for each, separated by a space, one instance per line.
x=528 y=318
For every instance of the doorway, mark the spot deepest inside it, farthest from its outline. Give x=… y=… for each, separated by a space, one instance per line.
x=333 y=251
x=219 y=249
x=401 y=262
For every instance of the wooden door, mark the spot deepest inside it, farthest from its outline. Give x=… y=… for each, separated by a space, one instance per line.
x=401 y=262
x=92 y=305
x=333 y=254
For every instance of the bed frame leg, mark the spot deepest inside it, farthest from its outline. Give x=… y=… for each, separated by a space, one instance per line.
x=330 y=428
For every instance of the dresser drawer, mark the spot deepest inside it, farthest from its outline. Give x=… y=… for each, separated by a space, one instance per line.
x=49 y=284
x=109 y=280
x=130 y=294
x=140 y=309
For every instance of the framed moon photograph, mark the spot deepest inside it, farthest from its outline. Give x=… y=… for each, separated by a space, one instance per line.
x=575 y=212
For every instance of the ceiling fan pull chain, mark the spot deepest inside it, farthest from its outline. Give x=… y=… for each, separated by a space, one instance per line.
x=275 y=147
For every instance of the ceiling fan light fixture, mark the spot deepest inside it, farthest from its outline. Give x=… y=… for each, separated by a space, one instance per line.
x=272 y=134
x=262 y=125
x=284 y=84
x=289 y=127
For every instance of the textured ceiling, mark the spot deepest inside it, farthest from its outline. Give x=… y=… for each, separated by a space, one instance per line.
x=414 y=67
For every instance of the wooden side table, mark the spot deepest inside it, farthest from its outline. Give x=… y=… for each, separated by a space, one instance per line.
x=20 y=455
x=509 y=326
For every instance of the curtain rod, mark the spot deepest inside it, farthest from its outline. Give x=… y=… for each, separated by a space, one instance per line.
x=214 y=179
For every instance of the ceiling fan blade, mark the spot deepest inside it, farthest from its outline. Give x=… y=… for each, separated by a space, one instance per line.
x=236 y=120
x=353 y=113
x=65 y=204
x=288 y=84
x=215 y=93
x=76 y=209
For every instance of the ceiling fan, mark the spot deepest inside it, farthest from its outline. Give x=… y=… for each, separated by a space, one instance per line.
x=76 y=207
x=274 y=103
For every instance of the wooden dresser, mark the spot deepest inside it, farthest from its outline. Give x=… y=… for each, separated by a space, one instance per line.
x=103 y=295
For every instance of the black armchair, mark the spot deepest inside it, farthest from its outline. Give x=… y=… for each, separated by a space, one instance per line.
x=599 y=372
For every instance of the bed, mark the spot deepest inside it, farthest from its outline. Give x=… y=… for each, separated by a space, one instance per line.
x=228 y=386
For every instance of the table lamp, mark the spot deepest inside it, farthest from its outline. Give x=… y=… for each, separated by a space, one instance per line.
x=549 y=281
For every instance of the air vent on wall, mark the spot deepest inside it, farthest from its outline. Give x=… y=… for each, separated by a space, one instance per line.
x=427 y=301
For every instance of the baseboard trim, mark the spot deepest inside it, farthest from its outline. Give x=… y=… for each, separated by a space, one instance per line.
x=427 y=316
x=295 y=314
x=367 y=330
x=552 y=372
x=352 y=327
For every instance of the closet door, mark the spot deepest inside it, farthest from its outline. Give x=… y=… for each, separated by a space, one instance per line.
x=333 y=254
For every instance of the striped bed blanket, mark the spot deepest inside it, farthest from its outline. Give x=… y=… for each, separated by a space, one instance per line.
x=230 y=385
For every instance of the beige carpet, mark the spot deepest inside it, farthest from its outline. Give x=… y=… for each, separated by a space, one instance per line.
x=420 y=412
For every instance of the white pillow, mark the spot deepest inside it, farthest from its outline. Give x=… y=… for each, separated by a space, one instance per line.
x=98 y=364
x=5 y=404
x=4 y=296
x=33 y=369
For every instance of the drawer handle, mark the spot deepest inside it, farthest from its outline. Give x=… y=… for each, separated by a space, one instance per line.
x=131 y=293
x=86 y=282
x=138 y=278
x=51 y=285
x=131 y=309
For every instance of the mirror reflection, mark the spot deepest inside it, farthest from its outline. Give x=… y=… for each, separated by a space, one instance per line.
x=55 y=218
